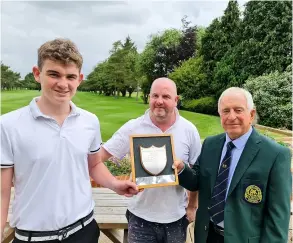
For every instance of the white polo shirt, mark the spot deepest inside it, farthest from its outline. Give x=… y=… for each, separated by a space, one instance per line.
x=162 y=204
x=51 y=176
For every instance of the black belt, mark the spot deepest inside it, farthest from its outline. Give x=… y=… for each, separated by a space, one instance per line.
x=218 y=229
x=54 y=235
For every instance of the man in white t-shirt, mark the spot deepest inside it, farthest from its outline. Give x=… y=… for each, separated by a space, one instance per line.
x=49 y=150
x=160 y=214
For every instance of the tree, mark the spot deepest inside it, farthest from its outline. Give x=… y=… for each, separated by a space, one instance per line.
x=228 y=71
x=122 y=65
x=131 y=75
x=220 y=37
x=9 y=78
x=264 y=47
x=230 y=25
x=164 y=52
x=187 y=45
x=130 y=57
x=190 y=80
x=30 y=82
x=210 y=46
x=267 y=37
x=199 y=35
x=116 y=74
x=101 y=79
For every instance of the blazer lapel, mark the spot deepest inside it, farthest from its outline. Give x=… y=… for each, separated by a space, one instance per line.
x=214 y=162
x=249 y=152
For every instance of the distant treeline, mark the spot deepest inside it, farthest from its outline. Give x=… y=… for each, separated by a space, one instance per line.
x=252 y=49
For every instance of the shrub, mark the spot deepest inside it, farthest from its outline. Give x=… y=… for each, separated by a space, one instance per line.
x=190 y=79
x=119 y=167
x=205 y=105
x=272 y=95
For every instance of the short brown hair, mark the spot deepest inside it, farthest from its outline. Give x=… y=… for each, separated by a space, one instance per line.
x=60 y=50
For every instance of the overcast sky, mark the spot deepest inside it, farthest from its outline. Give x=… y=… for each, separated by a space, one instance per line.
x=93 y=26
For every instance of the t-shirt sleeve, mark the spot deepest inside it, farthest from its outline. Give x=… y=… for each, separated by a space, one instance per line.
x=118 y=144
x=195 y=146
x=7 y=160
x=97 y=141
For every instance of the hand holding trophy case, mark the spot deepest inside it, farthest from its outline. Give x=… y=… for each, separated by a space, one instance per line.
x=152 y=157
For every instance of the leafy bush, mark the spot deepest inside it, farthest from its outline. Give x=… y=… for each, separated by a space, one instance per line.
x=205 y=105
x=272 y=95
x=190 y=80
x=119 y=167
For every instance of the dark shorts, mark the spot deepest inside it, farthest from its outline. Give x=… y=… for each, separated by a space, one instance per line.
x=142 y=231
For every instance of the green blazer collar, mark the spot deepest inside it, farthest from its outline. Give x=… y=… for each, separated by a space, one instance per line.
x=249 y=152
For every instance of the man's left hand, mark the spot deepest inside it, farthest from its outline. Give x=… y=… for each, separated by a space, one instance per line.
x=126 y=188
x=190 y=214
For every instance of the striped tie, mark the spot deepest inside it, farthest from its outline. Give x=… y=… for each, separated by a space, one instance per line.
x=217 y=206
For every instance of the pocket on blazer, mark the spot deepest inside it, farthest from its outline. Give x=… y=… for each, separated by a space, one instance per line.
x=254 y=239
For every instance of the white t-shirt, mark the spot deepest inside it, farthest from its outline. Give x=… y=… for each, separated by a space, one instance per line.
x=162 y=204
x=51 y=177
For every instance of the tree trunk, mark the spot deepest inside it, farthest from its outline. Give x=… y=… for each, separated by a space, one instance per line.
x=123 y=92
x=145 y=98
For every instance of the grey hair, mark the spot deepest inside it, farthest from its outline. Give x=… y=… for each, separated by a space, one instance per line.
x=247 y=94
x=249 y=100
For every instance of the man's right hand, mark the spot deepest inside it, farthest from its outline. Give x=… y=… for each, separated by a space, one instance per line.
x=130 y=179
x=125 y=187
x=179 y=164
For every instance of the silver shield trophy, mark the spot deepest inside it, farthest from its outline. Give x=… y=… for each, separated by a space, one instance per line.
x=153 y=159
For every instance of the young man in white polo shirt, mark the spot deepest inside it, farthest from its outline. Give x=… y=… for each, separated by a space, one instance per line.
x=49 y=149
x=159 y=215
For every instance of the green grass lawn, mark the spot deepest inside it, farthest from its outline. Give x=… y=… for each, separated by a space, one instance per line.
x=112 y=113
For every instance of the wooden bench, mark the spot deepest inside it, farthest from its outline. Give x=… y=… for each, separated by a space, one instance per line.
x=110 y=209
x=110 y=212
